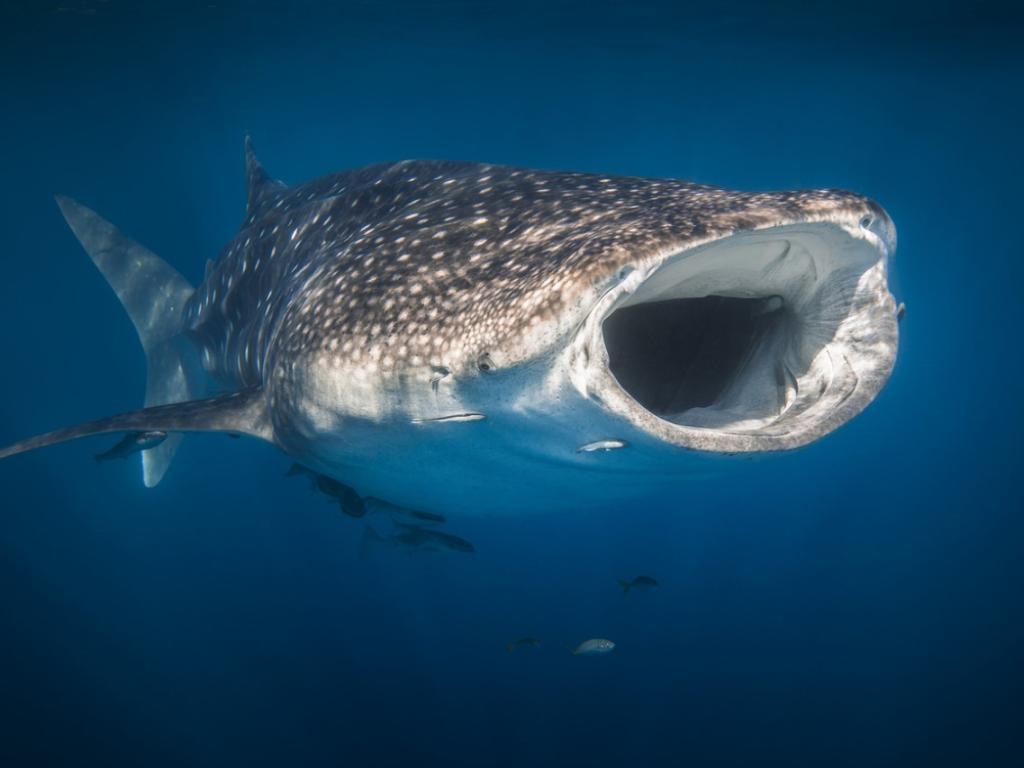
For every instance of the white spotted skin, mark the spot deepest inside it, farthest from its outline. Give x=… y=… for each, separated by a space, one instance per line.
x=343 y=297
x=419 y=263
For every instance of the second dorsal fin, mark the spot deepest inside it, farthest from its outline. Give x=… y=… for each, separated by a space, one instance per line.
x=264 y=192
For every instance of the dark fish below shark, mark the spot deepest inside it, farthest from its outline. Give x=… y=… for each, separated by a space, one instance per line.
x=455 y=336
x=349 y=501
x=355 y=506
x=642 y=583
x=414 y=537
x=401 y=514
x=525 y=642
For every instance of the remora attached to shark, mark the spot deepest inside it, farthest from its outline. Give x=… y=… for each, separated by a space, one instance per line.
x=454 y=336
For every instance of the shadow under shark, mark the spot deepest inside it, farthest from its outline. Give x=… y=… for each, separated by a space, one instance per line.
x=459 y=337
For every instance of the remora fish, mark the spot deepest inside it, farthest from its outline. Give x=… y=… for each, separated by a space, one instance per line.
x=131 y=443
x=415 y=537
x=562 y=309
x=642 y=583
x=525 y=642
x=401 y=514
x=349 y=501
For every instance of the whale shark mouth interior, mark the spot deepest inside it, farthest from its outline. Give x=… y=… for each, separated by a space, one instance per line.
x=760 y=341
x=679 y=354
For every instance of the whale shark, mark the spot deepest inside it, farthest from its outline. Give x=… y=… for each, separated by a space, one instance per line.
x=461 y=337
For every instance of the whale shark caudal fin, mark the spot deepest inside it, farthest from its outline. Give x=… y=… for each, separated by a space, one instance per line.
x=154 y=295
x=243 y=412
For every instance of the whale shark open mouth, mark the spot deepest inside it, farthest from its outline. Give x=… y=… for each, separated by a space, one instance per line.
x=765 y=340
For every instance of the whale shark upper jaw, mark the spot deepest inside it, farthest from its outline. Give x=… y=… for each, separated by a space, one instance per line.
x=765 y=340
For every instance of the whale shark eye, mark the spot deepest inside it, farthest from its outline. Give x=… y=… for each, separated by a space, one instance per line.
x=484 y=363
x=865 y=220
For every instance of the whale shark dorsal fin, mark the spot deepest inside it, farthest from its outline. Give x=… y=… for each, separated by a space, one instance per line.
x=237 y=412
x=264 y=192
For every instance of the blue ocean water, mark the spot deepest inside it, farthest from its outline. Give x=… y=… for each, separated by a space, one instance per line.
x=857 y=603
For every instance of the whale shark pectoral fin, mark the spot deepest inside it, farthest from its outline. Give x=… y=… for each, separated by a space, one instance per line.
x=238 y=412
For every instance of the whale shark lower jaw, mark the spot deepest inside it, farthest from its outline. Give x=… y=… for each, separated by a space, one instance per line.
x=762 y=341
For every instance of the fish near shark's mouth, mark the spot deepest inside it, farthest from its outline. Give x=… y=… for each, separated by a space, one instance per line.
x=761 y=341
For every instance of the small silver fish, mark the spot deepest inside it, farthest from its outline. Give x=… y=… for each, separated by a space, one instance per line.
x=602 y=445
x=593 y=647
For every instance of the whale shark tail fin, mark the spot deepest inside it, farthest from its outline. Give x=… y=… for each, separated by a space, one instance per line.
x=153 y=294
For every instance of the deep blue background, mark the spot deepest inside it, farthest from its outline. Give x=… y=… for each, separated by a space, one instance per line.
x=860 y=602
